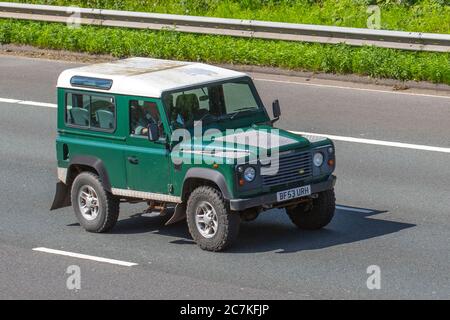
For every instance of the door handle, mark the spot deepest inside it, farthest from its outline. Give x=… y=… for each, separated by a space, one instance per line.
x=133 y=160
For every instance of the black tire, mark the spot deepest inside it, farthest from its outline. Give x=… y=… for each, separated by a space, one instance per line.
x=227 y=222
x=108 y=205
x=317 y=215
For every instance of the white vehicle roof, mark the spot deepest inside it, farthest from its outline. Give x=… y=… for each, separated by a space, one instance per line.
x=148 y=77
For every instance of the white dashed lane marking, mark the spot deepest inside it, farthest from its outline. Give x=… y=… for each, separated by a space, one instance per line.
x=85 y=257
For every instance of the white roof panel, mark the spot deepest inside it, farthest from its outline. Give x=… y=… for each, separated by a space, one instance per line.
x=148 y=77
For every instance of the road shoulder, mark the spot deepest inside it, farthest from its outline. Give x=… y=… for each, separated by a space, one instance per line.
x=351 y=80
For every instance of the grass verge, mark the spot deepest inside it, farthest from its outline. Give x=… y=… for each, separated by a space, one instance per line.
x=121 y=42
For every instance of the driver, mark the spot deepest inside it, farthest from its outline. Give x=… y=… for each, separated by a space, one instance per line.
x=141 y=117
x=185 y=108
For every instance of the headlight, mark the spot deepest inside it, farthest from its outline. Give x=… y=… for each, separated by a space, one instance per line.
x=249 y=174
x=318 y=159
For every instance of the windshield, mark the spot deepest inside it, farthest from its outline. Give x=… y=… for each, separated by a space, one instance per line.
x=213 y=103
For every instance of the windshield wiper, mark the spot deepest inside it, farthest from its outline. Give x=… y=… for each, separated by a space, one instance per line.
x=238 y=111
x=213 y=117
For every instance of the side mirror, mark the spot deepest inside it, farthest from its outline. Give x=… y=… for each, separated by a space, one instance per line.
x=276 y=111
x=153 y=132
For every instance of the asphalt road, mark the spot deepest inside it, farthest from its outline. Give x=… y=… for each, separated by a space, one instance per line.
x=401 y=221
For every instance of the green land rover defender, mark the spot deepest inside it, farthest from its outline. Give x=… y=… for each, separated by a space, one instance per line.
x=190 y=140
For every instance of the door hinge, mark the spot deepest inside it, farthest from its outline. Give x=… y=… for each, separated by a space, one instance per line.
x=170 y=187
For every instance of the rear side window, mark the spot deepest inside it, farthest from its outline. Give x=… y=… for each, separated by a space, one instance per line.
x=96 y=112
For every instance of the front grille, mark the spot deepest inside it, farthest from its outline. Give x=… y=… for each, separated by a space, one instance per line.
x=289 y=169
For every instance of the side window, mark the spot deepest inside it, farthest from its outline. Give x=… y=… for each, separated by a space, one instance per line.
x=102 y=112
x=77 y=109
x=142 y=113
x=90 y=111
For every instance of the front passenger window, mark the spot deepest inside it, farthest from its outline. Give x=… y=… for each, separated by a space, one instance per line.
x=142 y=113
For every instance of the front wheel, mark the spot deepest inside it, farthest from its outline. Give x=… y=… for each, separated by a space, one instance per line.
x=211 y=225
x=314 y=215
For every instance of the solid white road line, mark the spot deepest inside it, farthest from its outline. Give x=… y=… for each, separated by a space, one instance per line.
x=352 y=88
x=353 y=209
x=9 y=100
x=38 y=104
x=29 y=103
x=378 y=142
x=333 y=137
x=86 y=257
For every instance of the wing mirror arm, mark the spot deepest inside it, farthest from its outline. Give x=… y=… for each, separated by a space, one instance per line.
x=153 y=132
x=276 y=111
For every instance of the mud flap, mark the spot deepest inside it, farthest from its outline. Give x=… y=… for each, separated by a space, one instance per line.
x=178 y=215
x=62 y=196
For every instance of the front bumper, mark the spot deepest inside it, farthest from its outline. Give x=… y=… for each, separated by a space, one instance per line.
x=268 y=199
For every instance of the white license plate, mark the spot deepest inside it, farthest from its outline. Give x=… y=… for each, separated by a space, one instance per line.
x=293 y=193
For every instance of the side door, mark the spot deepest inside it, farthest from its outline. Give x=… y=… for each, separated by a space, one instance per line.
x=147 y=162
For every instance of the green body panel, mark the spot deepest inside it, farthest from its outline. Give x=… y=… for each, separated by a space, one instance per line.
x=179 y=175
x=152 y=173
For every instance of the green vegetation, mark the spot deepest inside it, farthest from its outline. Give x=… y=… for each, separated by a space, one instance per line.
x=121 y=42
x=408 y=15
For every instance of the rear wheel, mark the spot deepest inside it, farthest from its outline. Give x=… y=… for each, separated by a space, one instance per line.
x=96 y=209
x=211 y=225
x=315 y=215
